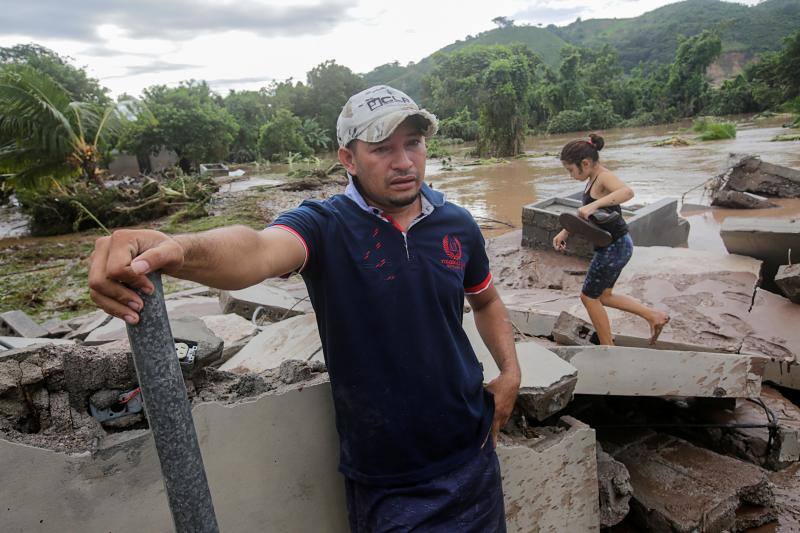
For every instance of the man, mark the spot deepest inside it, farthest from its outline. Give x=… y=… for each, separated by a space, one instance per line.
x=387 y=265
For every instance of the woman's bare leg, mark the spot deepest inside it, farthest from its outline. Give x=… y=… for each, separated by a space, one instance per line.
x=599 y=318
x=657 y=319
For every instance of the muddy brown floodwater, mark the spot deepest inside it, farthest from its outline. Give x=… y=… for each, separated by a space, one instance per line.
x=500 y=191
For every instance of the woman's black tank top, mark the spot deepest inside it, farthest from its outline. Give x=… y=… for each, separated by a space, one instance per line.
x=617 y=227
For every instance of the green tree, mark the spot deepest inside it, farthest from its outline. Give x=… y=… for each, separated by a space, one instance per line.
x=503 y=121
x=687 y=86
x=281 y=135
x=251 y=110
x=330 y=85
x=80 y=87
x=48 y=134
x=188 y=119
x=314 y=135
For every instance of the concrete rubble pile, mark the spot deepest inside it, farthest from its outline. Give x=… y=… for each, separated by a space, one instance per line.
x=700 y=432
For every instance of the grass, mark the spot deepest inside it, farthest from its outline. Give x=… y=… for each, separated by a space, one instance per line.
x=240 y=210
x=787 y=137
x=711 y=130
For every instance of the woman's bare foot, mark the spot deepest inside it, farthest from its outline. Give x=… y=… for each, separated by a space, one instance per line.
x=657 y=326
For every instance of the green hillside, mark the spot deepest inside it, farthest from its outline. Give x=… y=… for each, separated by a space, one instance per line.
x=409 y=78
x=651 y=37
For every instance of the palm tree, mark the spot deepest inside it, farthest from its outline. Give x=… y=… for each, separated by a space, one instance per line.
x=44 y=135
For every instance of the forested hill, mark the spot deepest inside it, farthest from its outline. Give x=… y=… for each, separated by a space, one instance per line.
x=651 y=37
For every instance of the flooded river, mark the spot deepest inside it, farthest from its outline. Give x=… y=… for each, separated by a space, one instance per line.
x=500 y=191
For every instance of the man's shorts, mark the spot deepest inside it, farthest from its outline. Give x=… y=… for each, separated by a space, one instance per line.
x=606 y=266
x=467 y=499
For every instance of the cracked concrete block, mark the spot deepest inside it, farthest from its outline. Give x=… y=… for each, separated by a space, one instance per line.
x=767 y=239
x=569 y=330
x=89 y=324
x=623 y=371
x=56 y=328
x=787 y=498
x=293 y=338
x=194 y=330
x=280 y=300
x=18 y=324
x=547 y=380
x=679 y=487
x=788 y=279
x=615 y=488
x=707 y=294
x=773 y=330
x=753 y=444
x=24 y=342
x=535 y=311
x=270 y=461
x=234 y=330
x=116 y=328
x=550 y=480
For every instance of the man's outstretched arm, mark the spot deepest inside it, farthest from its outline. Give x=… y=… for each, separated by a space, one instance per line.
x=227 y=258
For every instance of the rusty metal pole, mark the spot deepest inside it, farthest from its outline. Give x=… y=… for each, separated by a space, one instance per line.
x=170 y=416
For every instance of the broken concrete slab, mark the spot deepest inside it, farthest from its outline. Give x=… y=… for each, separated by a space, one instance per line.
x=234 y=331
x=550 y=479
x=739 y=200
x=707 y=294
x=788 y=280
x=22 y=342
x=787 y=498
x=279 y=300
x=547 y=380
x=680 y=487
x=755 y=444
x=766 y=239
x=749 y=173
x=85 y=325
x=18 y=324
x=56 y=328
x=193 y=330
x=570 y=330
x=772 y=330
x=116 y=329
x=534 y=311
x=623 y=371
x=285 y=454
x=293 y=338
x=614 y=483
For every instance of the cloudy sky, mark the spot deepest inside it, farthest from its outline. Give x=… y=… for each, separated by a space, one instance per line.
x=244 y=44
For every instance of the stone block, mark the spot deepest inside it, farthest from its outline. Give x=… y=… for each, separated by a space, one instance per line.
x=623 y=371
x=116 y=329
x=754 y=444
x=24 y=342
x=88 y=324
x=547 y=380
x=788 y=279
x=56 y=328
x=194 y=330
x=293 y=338
x=279 y=301
x=535 y=311
x=550 y=480
x=614 y=483
x=234 y=330
x=679 y=487
x=18 y=324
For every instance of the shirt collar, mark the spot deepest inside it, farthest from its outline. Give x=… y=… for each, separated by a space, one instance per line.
x=430 y=199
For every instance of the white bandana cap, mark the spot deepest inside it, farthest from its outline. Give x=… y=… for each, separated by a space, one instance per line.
x=373 y=114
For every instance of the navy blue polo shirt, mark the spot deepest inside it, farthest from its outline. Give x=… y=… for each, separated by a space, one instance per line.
x=407 y=387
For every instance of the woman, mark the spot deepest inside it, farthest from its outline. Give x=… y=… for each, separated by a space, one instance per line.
x=604 y=191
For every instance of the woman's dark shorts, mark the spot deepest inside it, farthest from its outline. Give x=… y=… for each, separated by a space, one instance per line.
x=606 y=266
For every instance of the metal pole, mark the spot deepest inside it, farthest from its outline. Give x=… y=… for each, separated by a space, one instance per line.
x=170 y=416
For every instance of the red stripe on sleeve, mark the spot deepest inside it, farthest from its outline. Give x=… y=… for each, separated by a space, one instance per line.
x=480 y=287
x=300 y=237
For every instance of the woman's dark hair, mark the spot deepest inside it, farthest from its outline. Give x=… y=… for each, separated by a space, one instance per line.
x=576 y=151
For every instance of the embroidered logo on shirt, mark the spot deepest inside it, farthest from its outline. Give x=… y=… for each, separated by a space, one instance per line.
x=452 y=249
